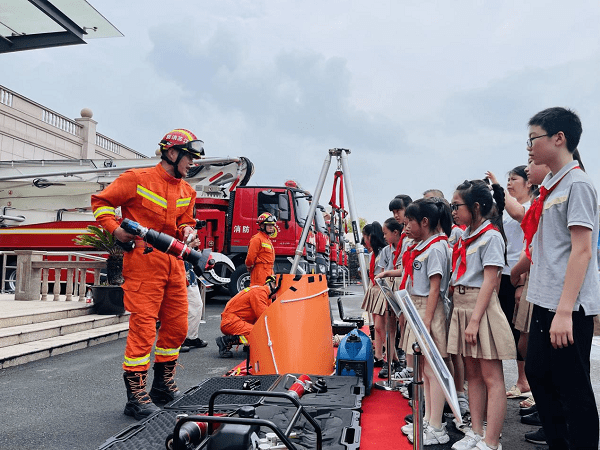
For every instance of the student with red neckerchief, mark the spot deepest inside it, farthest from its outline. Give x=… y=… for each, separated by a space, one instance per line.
x=426 y=277
x=518 y=200
x=563 y=283
x=478 y=328
x=374 y=301
x=394 y=236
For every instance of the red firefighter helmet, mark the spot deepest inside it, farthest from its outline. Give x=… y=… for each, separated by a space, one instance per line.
x=266 y=219
x=185 y=140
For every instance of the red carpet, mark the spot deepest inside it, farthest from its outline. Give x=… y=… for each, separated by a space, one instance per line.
x=381 y=420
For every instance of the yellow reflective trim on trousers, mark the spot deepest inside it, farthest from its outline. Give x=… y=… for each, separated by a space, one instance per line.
x=104 y=210
x=137 y=361
x=183 y=202
x=264 y=244
x=166 y=351
x=154 y=198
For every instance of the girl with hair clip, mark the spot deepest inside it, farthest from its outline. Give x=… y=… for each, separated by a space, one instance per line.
x=478 y=328
x=374 y=301
x=517 y=202
x=426 y=277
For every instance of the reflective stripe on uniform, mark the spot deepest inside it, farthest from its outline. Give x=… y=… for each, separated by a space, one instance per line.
x=154 y=198
x=166 y=351
x=104 y=210
x=264 y=244
x=243 y=340
x=184 y=201
x=132 y=362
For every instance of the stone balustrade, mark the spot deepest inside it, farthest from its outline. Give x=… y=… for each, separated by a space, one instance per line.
x=33 y=273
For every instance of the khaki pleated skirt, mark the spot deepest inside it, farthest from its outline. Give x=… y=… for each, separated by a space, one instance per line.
x=438 y=327
x=374 y=301
x=494 y=340
x=522 y=318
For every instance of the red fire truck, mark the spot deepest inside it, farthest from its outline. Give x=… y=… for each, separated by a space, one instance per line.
x=45 y=204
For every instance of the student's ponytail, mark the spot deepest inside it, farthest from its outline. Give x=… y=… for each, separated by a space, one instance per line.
x=496 y=217
x=577 y=157
x=445 y=215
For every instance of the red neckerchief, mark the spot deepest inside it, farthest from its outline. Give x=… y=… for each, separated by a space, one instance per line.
x=372 y=268
x=412 y=252
x=398 y=248
x=460 y=249
x=531 y=220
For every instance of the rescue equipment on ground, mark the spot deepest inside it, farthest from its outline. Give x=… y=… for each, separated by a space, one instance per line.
x=201 y=261
x=293 y=329
x=355 y=357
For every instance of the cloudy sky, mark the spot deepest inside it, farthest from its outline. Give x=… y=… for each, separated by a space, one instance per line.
x=425 y=94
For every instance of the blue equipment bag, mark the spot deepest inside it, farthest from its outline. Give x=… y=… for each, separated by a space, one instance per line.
x=355 y=358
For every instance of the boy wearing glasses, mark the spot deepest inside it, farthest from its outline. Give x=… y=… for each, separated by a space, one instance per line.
x=563 y=287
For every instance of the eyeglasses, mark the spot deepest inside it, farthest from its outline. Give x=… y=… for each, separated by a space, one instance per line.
x=530 y=140
x=455 y=206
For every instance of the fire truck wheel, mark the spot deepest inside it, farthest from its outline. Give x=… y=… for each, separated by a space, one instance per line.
x=10 y=281
x=240 y=279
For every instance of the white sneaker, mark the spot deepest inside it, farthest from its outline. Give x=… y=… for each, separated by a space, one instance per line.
x=483 y=446
x=465 y=426
x=469 y=441
x=433 y=437
x=408 y=428
x=404 y=374
x=463 y=403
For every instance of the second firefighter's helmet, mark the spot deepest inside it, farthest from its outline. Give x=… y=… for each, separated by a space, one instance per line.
x=267 y=219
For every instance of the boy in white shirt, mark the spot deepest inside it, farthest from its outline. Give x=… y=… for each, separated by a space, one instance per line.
x=563 y=286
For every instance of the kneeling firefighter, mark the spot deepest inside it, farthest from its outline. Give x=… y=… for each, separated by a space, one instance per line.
x=242 y=312
x=155 y=282
x=261 y=253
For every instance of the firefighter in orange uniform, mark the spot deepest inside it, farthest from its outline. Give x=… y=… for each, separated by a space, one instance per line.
x=261 y=254
x=155 y=283
x=242 y=312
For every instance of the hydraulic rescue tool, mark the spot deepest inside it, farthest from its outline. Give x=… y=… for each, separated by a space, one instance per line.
x=201 y=261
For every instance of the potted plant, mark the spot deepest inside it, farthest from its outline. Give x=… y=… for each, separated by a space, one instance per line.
x=108 y=298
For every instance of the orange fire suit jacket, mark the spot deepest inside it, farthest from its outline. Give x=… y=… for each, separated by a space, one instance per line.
x=243 y=310
x=155 y=283
x=260 y=258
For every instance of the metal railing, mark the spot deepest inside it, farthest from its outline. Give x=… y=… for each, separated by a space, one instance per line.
x=34 y=269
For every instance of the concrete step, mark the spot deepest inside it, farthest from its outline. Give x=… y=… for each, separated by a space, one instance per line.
x=24 y=313
x=15 y=355
x=22 y=334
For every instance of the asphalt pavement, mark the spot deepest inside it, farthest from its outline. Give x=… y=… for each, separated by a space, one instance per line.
x=75 y=400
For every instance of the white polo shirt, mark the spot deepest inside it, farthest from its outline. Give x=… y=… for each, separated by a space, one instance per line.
x=574 y=201
x=386 y=258
x=486 y=250
x=437 y=259
x=514 y=239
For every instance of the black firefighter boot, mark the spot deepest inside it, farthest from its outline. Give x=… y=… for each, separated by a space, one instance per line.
x=225 y=343
x=139 y=404
x=164 y=388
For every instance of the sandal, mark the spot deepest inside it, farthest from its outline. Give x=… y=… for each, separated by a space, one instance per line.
x=527 y=403
x=515 y=392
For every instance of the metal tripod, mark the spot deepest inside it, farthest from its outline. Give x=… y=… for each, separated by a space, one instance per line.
x=341 y=154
